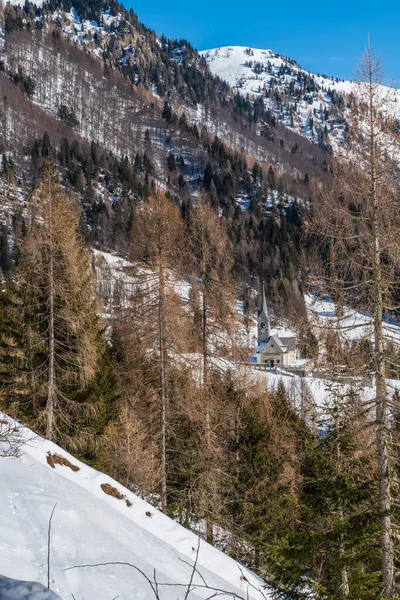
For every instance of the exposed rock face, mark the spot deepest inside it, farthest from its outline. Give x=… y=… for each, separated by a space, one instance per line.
x=115 y=47
x=13 y=589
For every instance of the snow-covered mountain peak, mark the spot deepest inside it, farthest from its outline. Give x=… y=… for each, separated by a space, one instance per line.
x=249 y=68
x=311 y=105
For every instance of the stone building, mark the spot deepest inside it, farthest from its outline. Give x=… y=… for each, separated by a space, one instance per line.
x=276 y=348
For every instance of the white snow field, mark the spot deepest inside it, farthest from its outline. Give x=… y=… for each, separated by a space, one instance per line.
x=255 y=72
x=229 y=63
x=90 y=527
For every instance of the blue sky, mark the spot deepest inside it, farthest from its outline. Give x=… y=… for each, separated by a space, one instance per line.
x=324 y=37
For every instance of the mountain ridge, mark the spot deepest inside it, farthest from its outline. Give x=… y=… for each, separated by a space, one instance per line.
x=313 y=105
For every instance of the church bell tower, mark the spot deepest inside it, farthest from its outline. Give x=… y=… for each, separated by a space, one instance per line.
x=264 y=330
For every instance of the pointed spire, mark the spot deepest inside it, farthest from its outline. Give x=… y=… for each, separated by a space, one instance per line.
x=264 y=329
x=264 y=306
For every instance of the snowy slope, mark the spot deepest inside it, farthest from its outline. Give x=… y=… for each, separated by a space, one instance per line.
x=298 y=100
x=229 y=63
x=22 y=2
x=304 y=102
x=352 y=325
x=91 y=527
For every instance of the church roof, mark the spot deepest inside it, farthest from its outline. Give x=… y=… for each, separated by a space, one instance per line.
x=285 y=342
x=289 y=342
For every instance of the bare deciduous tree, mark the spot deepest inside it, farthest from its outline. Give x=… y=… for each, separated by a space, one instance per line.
x=212 y=262
x=357 y=221
x=158 y=240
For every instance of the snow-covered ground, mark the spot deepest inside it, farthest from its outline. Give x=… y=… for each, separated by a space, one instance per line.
x=90 y=527
x=256 y=72
x=352 y=325
x=235 y=64
x=299 y=99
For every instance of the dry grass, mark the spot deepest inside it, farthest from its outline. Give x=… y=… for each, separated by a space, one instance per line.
x=111 y=491
x=56 y=459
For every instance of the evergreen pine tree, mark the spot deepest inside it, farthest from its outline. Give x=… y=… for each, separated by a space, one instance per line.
x=5 y=257
x=335 y=547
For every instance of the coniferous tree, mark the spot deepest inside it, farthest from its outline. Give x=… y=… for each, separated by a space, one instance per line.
x=359 y=241
x=209 y=249
x=58 y=320
x=345 y=528
x=158 y=237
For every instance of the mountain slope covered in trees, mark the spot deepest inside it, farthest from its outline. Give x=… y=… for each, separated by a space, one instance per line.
x=69 y=91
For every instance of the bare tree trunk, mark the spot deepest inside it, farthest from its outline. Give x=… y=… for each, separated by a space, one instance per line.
x=386 y=539
x=51 y=393
x=163 y=391
x=209 y=526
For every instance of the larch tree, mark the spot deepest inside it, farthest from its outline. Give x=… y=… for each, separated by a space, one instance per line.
x=212 y=261
x=158 y=241
x=59 y=332
x=357 y=223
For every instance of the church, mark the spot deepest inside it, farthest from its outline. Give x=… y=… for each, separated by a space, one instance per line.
x=275 y=348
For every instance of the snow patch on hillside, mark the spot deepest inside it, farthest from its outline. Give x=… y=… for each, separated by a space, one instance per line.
x=90 y=527
x=352 y=325
x=22 y=2
x=82 y=31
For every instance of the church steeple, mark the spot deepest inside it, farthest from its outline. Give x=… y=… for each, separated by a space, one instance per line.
x=264 y=329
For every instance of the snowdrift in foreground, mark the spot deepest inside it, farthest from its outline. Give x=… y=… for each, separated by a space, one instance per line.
x=92 y=526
